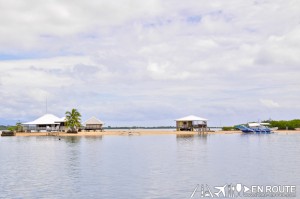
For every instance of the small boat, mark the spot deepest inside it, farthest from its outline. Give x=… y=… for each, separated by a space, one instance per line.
x=259 y=128
x=274 y=128
x=8 y=133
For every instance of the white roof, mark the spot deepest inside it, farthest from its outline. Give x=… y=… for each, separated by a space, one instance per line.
x=45 y=119
x=63 y=119
x=93 y=120
x=191 y=118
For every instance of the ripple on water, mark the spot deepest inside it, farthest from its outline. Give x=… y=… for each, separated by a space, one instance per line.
x=156 y=166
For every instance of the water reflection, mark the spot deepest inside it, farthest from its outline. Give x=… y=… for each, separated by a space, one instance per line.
x=202 y=136
x=178 y=136
x=163 y=166
x=190 y=138
x=93 y=138
x=71 y=139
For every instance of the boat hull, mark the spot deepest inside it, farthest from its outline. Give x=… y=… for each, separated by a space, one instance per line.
x=257 y=131
x=263 y=130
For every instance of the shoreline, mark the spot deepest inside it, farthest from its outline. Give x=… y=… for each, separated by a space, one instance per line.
x=140 y=132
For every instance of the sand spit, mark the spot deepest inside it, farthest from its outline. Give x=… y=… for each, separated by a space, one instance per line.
x=138 y=132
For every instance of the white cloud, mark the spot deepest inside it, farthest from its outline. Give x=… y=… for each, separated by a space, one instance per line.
x=133 y=60
x=166 y=71
x=25 y=25
x=269 y=103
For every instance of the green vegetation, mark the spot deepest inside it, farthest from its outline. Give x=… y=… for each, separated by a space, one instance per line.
x=73 y=120
x=3 y=127
x=284 y=124
x=228 y=128
x=11 y=128
x=19 y=127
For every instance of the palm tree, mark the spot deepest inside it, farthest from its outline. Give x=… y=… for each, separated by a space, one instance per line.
x=73 y=120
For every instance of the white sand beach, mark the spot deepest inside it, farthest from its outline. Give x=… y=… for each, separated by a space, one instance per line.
x=139 y=132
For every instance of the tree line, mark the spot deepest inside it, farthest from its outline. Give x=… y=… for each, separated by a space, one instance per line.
x=285 y=124
x=281 y=124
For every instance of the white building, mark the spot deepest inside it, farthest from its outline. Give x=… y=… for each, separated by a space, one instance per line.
x=47 y=122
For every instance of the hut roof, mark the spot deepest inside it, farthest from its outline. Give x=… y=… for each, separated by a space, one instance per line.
x=93 y=120
x=191 y=118
x=45 y=119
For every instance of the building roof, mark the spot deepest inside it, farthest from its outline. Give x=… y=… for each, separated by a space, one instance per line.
x=45 y=119
x=191 y=118
x=63 y=119
x=93 y=120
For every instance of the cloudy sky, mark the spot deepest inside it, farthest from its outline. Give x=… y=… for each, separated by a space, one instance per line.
x=134 y=62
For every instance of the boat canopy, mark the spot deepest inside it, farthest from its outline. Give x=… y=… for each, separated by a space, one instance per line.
x=265 y=124
x=254 y=124
x=258 y=124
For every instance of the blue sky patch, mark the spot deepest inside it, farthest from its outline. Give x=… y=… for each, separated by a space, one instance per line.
x=194 y=19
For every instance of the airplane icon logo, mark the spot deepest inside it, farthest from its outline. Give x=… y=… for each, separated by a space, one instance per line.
x=221 y=190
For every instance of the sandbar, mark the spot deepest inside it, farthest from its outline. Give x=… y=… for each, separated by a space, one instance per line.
x=139 y=132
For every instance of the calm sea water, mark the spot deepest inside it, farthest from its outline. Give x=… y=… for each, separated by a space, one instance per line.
x=155 y=166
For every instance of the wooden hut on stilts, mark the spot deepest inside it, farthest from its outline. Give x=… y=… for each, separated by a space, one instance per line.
x=192 y=123
x=93 y=124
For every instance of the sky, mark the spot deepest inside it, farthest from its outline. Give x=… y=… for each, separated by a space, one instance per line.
x=147 y=63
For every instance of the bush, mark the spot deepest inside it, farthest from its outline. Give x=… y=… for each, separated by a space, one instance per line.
x=283 y=124
x=227 y=128
x=11 y=128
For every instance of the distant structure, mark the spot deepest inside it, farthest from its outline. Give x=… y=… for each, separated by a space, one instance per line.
x=93 y=124
x=47 y=122
x=191 y=123
x=50 y=122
